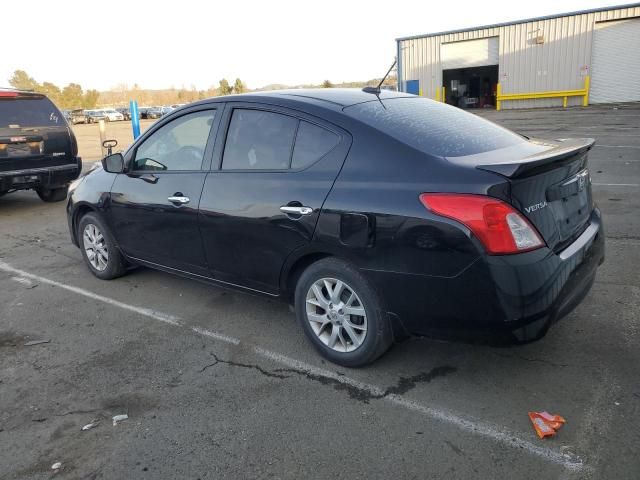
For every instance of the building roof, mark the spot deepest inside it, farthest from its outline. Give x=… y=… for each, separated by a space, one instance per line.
x=515 y=22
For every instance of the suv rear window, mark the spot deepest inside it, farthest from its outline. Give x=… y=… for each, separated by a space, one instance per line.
x=433 y=127
x=16 y=112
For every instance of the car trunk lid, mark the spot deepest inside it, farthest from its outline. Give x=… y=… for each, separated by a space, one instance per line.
x=549 y=183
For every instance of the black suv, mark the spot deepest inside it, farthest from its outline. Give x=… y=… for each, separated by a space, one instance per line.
x=38 y=150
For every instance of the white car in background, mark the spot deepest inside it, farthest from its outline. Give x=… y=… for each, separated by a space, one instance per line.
x=112 y=115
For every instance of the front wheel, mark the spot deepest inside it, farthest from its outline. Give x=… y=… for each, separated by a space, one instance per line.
x=341 y=314
x=99 y=249
x=52 y=194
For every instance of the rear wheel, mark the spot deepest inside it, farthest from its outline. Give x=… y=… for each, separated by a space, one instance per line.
x=52 y=194
x=341 y=314
x=99 y=249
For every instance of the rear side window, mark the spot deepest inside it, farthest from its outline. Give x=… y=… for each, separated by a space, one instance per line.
x=259 y=140
x=433 y=127
x=20 y=112
x=312 y=143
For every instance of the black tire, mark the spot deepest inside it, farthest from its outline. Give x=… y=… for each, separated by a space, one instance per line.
x=116 y=265
x=52 y=194
x=378 y=337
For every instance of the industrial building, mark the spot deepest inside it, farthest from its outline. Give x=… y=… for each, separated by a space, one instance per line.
x=577 y=58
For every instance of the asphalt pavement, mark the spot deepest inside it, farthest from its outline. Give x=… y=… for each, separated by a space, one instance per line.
x=218 y=384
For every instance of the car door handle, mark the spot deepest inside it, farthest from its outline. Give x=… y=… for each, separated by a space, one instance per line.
x=289 y=210
x=178 y=199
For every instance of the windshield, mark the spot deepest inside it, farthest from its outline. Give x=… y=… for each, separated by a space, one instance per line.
x=433 y=127
x=29 y=112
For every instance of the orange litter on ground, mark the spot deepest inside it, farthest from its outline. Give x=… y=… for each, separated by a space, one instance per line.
x=546 y=424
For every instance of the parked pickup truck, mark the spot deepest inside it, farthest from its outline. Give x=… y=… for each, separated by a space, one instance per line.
x=38 y=149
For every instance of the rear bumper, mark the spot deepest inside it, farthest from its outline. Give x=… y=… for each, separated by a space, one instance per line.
x=523 y=294
x=54 y=176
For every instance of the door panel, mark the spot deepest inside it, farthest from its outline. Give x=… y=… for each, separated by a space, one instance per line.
x=148 y=226
x=154 y=207
x=246 y=235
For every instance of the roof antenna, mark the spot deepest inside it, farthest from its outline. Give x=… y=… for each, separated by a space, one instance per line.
x=376 y=90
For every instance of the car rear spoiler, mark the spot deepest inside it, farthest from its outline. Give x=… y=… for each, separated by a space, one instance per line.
x=565 y=149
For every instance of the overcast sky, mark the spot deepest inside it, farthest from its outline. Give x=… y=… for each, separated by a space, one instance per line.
x=169 y=43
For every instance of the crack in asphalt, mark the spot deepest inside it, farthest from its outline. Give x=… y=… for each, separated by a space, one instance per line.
x=453 y=447
x=243 y=365
x=403 y=385
x=534 y=360
x=408 y=383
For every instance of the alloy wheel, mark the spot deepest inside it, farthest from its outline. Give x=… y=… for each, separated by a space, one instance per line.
x=95 y=247
x=336 y=315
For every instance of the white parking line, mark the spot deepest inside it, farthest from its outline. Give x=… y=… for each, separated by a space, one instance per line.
x=615 y=146
x=22 y=281
x=493 y=432
x=215 y=335
x=616 y=184
x=162 y=317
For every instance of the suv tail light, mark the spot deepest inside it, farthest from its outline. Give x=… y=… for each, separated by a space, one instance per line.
x=501 y=228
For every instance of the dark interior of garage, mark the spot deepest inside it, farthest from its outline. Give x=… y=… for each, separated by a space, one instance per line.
x=471 y=87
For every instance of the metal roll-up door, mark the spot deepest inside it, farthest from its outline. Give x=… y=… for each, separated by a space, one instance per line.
x=615 y=62
x=469 y=53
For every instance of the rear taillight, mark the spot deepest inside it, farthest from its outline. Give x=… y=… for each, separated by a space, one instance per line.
x=501 y=229
x=8 y=94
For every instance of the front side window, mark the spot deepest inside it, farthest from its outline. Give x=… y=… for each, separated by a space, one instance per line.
x=178 y=145
x=259 y=140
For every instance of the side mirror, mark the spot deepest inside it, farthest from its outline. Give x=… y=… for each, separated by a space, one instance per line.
x=113 y=163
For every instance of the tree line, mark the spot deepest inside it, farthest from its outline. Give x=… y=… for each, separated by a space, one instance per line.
x=71 y=96
x=122 y=93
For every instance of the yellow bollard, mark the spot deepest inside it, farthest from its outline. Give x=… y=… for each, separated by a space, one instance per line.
x=437 y=94
x=564 y=102
x=585 y=98
x=444 y=95
x=498 y=94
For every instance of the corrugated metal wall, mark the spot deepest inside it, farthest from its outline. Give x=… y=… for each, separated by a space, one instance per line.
x=560 y=63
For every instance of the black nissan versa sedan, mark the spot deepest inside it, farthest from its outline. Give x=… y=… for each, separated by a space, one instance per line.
x=376 y=215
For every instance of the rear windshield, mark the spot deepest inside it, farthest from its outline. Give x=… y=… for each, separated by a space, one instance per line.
x=433 y=127
x=29 y=112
